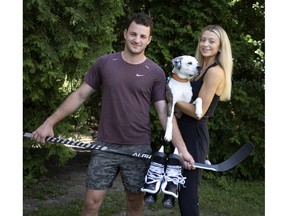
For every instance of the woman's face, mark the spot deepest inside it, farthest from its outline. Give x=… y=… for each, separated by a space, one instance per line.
x=209 y=44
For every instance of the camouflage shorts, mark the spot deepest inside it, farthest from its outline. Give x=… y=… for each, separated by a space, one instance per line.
x=104 y=167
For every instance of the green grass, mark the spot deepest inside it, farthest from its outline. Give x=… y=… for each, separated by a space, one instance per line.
x=217 y=198
x=45 y=191
x=236 y=198
x=73 y=209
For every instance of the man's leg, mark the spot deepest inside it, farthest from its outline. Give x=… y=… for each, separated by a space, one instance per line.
x=133 y=173
x=102 y=171
x=134 y=202
x=93 y=202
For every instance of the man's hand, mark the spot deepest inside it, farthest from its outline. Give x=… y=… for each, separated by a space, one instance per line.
x=42 y=132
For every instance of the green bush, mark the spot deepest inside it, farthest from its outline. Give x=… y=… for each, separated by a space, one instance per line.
x=62 y=39
x=237 y=122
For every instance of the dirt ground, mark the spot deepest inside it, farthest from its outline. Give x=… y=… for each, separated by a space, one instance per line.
x=72 y=174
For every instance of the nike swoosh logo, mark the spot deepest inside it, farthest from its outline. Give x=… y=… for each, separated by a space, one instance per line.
x=138 y=75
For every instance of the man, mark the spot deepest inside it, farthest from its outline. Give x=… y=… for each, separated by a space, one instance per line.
x=130 y=82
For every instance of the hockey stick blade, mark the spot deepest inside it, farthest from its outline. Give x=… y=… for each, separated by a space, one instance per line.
x=231 y=162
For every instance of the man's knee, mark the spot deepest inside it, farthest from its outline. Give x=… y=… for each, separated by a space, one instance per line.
x=93 y=202
x=135 y=201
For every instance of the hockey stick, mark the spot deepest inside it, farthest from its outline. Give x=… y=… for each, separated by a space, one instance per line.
x=231 y=162
x=91 y=146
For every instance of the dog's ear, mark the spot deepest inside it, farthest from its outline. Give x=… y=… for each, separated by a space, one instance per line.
x=177 y=62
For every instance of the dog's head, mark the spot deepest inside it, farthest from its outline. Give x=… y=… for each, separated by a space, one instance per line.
x=186 y=67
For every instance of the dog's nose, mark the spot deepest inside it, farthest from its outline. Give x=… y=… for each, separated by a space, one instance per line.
x=198 y=68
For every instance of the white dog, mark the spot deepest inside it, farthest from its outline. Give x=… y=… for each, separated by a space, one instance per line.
x=185 y=69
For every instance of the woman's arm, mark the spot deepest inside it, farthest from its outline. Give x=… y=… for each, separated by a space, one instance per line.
x=212 y=84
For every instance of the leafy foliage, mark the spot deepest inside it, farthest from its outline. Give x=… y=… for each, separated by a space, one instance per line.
x=61 y=39
x=237 y=122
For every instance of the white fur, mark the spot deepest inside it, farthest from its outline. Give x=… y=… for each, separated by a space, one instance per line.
x=186 y=67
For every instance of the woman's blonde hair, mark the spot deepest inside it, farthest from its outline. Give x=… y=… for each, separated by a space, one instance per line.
x=224 y=57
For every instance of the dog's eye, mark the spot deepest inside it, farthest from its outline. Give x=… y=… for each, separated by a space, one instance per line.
x=190 y=63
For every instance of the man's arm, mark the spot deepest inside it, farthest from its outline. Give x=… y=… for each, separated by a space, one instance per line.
x=71 y=103
x=177 y=140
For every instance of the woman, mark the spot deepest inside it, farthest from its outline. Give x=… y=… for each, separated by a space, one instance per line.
x=213 y=84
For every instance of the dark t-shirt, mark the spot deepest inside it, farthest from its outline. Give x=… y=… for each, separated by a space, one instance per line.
x=127 y=93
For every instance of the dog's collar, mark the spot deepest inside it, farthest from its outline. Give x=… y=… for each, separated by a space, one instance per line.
x=177 y=78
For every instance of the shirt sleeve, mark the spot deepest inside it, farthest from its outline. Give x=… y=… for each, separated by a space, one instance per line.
x=93 y=77
x=159 y=88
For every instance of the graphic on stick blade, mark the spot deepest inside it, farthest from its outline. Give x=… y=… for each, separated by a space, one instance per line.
x=231 y=162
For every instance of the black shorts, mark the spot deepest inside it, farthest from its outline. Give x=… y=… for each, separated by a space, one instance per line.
x=105 y=166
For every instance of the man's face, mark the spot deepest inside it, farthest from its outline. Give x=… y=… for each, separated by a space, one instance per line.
x=137 y=38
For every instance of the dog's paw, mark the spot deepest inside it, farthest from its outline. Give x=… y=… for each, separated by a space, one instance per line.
x=169 y=129
x=198 y=107
x=177 y=113
x=168 y=137
x=198 y=113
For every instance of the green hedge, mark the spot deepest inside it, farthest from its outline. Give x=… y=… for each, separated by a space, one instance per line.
x=62 y=39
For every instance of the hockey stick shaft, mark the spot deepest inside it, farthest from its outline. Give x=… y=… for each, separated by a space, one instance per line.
x=91 y=146
x=231 y=162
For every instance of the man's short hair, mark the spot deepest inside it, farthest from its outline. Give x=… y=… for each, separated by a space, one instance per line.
x=141 y=18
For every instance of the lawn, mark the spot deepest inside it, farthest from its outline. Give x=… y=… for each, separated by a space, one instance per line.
x=217 y=198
